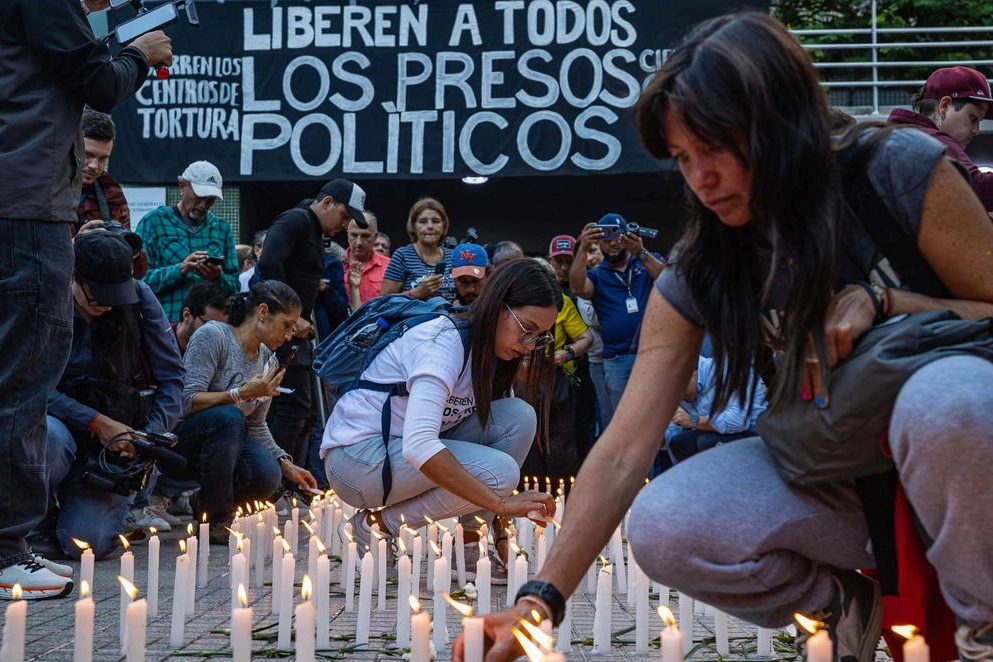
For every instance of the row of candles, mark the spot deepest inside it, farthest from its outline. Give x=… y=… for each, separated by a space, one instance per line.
x=260 y=528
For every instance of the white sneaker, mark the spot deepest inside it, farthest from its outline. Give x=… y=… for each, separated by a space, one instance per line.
x=160 y=506
x=975 y=644
x=143 y=518
x=36 y=582
x=59 y=569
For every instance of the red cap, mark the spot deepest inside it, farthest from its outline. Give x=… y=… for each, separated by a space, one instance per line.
x=959 y=83
x=562 y=244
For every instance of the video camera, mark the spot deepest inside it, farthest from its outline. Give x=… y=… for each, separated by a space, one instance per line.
x=471 y=237
x=614 y=226
x=148 y=20
x=113 y=472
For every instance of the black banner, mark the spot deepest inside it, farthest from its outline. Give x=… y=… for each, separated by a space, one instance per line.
x=432 y=88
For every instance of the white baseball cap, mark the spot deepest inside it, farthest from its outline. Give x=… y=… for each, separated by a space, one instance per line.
x=205 y=179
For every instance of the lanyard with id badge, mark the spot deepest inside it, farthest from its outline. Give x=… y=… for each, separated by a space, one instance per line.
x=631 y=301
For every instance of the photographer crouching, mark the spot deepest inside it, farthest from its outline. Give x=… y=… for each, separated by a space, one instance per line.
x=106 y=422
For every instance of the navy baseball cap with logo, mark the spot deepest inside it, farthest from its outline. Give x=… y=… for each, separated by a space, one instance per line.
x=613 y=219
x=959 y=83
x=104 y=264
x=351 y=195
x=469 y=260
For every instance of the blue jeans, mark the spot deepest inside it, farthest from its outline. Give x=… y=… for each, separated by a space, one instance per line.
x=35 y=333
x=616 y=371
x=85 y=512
x=230 y=466
x=604 y=411
x=493 y=454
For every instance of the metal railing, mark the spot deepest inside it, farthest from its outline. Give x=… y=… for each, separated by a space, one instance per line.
x=864 y=82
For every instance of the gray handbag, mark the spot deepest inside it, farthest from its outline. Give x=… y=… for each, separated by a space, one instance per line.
x=846 y=440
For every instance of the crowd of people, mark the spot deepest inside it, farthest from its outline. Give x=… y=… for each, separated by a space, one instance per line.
x=167 y=372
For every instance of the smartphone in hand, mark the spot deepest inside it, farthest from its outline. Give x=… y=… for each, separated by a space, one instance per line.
x=289 y=357
x=439 y=268
x=210 y=259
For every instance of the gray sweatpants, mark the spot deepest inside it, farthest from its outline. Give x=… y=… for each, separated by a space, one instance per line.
x=725 y=528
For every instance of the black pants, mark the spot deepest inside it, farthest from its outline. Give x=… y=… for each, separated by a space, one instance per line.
x=292 y=415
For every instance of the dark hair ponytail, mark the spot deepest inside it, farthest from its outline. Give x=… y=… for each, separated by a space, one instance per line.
x=277 y=295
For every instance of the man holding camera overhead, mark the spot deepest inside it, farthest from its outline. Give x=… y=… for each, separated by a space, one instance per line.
x=187 y=243
x=619 y=290
x=122 y=346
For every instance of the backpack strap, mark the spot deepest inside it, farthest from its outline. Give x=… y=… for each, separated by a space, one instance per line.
x=391 y=390
x=101 y=201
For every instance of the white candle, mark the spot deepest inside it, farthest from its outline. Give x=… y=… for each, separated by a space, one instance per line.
x=819 y=648
x=403 y=601
x=312 y=556
x=323 y=600
x=15 y=622
x=520 y=573
x=350 y=577
x=721 y=633
x=180 y=586
x=137 y=620
x=246 y=549
x=85 y=564
x=472 y=628
x=415 y=564
x=763 y=646
x=460 y=553
x=241 y=628
x=483 y=600
x=286 y=602
x=915 y=649
x=540 y=551
x=204 y=552
x=632 y=576
x=305 y=623
x=420 y=642
x=671 y=638
x=127 y=571
x=85 y=614
x=365 y=600
x=442 y=583
x=192 y=547
x=153 y=575
x=686 y=620
x=237 y=577
x=261 y=543
x=601 y=617
x=294 y=536
x=640 y=593
x=381 y=574
x=564 y=641
x=617 y=557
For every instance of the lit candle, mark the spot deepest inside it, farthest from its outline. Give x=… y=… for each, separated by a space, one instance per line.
x=294 y=536
x=85 y=613
x=442 y=583
x=671 y=639
x=540 y=549
x=564 y=642
x=286 y=602
x=241 y=628
x=305 y=623
x=323 y=597
x=15 y=622
x=686 y=620
x=192 y=550
x=640 y=592
x=483 y=588
x=261 y=543
x=460 y=553
x=85 y=564
x=350 y=575
x=403 y=602
x=415 y=563
x=819 y=647
x=365 y=599
x=381 y=572
x=246 y=549
x=127 y=571
x=204 y=549
x=915 y=649
x=153 y=573
x=180 y=586
x=137 y=619
x=617 y=558
x=601 y=617
x=420 y=627
x=520 y=570
x=472 y=630
x=238 y=576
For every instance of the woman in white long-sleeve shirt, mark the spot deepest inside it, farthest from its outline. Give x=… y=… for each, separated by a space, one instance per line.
x=457 y=442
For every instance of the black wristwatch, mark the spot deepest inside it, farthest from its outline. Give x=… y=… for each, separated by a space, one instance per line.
x=570 y=353
x=549 y=594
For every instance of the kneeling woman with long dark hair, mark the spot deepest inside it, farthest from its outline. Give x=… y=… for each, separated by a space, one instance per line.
x=457 y=442
x=231 y=378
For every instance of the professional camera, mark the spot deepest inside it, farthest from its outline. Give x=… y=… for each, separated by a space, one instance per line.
x=113 y=472
x=471 y=237
x=133 y=238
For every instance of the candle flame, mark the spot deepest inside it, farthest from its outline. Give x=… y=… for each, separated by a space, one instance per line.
x=905 y=631
x=479 y=519
x=530 y=648
x=237 y=534
x=666 y=615
x=238 y=513
x=238 y=545
x=482 y=547
x=321 y=548
x=16 y=592
x=260 y=517
x=84 y=589
x=808 y=624
x=242 y=595
x=463 y=609
x=129 y=588
x=517 y=550
x=307 y=526
x=377 y=535
x=415 y=604
x=276 y=532
x=403 y=520
x=401 y=546
x=286 y=546
x=306 y=588
x=204 y=518
x=189 y=529
x=293 y=501
x=441 y=527
x=603 y=561
x=348 y=534
x=435 y=548
x=124 y=541
x=182 y=546
x=81 y=544
x=153 y=530
x=539 y=637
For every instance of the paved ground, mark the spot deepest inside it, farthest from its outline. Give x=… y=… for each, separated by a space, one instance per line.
x=50 y=622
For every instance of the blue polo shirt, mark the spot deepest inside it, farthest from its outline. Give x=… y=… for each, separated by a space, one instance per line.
x=612 y=288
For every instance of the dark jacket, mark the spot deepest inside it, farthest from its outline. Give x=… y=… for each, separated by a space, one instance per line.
x=50 y=66
x=294 y=254
x=91 y=209
x=982 y=182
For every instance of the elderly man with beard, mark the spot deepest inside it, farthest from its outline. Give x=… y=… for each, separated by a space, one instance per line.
x=186 y=243
x=619 y=289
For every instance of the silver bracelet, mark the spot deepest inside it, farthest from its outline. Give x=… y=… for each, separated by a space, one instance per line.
x=235 y=394
x=86 y=10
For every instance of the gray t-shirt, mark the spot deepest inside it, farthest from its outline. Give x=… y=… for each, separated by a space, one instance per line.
x=216 y=362
x=899 y=169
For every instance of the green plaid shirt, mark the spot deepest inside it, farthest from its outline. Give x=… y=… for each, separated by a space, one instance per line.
x=169 y=240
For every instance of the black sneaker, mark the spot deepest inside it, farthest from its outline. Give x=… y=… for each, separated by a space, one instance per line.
x=974 y=643
x=852 y=618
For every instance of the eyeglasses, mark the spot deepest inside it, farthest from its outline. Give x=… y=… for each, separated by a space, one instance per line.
x=539 y=340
